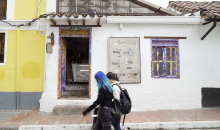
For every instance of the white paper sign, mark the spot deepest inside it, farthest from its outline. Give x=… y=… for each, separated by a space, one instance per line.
x=124 y=58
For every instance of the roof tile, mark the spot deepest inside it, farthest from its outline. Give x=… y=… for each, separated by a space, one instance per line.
x=212 y=7
x=182 y=10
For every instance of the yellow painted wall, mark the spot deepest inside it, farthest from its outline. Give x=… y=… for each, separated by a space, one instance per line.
x=32 y=54
x=8 y=71
x=26 y=9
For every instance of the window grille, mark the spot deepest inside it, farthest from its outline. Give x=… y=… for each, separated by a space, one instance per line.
x=165 y=59
x=100 y=7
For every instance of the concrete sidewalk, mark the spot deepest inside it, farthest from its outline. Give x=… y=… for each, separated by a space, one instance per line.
x=167 y=119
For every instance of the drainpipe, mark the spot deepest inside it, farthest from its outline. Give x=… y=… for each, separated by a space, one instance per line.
x=18 y=66
x=209 y=20
x=213 y=26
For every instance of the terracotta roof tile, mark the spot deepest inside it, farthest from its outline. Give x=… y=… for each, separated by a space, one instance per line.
x=68 y=15
x=182 y=5
x=190 y=10
x=212 y=7
x=203 y=13
x=217 y=14
x=182 y=10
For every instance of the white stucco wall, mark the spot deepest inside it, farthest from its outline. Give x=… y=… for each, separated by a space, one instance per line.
x=199 y=61
x=49 y=96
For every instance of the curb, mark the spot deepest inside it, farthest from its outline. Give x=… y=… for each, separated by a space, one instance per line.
x=9 y=127
x=141 y=126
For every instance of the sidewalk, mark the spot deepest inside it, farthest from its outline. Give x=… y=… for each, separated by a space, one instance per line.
x=169 y=117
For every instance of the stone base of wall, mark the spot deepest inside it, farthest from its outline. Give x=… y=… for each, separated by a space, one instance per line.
x=27 y=100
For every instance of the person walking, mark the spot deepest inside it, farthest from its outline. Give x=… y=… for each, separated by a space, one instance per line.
x=104 y=100
x=116 y=93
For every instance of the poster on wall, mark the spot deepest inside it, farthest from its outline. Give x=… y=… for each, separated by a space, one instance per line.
x=124 y=58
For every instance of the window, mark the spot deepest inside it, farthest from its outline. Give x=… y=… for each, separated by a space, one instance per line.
x=165 y=59
x=3 y=5
x=101 y=7
x=2 y=47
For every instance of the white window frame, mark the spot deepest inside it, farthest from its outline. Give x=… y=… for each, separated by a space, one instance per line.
x=10 y=9
x=5 y=47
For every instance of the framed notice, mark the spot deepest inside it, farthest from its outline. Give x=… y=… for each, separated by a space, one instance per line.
x=124 y=58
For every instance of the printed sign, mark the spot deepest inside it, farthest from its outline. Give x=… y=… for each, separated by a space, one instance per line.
x=124 y=58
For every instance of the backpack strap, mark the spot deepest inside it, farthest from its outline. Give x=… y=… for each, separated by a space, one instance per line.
x=118 y=86
x=124 y=120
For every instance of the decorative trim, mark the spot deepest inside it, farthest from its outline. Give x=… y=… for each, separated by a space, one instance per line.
x=70 y=33
x=163 y=37
x=81 y=34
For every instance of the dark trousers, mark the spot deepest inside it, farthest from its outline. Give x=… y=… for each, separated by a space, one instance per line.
x=116 y=123
x=104 y=120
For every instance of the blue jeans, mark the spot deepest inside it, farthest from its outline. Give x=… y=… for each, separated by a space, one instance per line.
x=116 y=123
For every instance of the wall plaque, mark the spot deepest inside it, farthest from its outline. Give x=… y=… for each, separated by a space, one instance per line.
x=49 y=45
x=124 y=58
x=49 y=48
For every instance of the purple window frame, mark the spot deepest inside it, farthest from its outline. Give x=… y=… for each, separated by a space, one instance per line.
x=165 y=43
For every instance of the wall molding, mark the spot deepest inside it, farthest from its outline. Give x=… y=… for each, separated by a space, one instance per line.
x=163 y=37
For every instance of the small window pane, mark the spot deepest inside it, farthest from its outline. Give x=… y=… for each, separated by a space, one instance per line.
x=173 y=54
x=168 y=68
x=168 y=53
x=3 y=8
x=2 y=47
x=160 y=53
x=155 y=54
x=160 y=68
x=173 y=69
x=155 y=68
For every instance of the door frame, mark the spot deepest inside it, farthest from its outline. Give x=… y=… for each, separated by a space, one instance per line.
x=82 y=32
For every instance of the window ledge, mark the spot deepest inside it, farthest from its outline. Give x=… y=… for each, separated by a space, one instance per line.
x=2 y=63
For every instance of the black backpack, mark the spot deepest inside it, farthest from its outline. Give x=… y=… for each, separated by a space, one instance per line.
x=126 y=104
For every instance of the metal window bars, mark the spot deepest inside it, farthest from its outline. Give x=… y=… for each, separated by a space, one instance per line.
x=105 y=7
x=164 y=61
